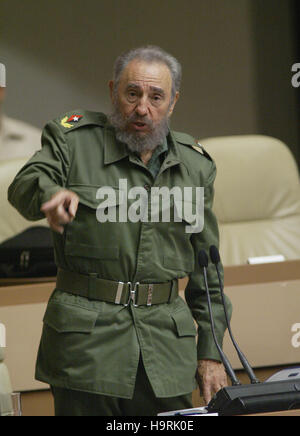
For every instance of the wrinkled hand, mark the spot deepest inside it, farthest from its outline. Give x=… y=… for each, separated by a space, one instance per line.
x=211 y=378
x=61 y=209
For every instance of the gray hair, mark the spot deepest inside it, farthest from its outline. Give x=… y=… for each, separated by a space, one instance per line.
x=149 y=54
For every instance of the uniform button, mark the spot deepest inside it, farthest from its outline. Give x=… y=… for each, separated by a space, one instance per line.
x=147 y=187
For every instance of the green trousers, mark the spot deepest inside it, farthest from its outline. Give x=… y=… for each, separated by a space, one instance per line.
x=144 y=403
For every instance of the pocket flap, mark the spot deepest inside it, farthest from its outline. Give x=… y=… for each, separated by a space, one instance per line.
x=105 y=252
x=66 y=318
x=178 y=263
x=89 y=196
x=184 y=323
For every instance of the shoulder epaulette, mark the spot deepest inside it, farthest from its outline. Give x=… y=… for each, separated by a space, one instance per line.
x=185 y=139
x=79 y=118
x=198 y=147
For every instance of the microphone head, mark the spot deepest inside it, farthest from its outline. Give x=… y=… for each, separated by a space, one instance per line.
x=203 y=259
x=214 y=255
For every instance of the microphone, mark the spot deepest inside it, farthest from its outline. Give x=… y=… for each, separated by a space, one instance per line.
x=215 y=258
x=203 y=262
x=253 y=398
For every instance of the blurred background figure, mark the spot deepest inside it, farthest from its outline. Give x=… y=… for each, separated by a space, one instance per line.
x=18 y=142
x=17 y=139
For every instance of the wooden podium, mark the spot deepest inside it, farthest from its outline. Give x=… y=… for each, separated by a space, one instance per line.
x=22 y=307
x=266 y=306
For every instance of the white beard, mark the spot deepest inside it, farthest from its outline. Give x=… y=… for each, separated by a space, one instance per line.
x=136 y=141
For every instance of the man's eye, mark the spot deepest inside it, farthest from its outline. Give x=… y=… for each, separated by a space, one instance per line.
x=132 y=94
x=156 y=99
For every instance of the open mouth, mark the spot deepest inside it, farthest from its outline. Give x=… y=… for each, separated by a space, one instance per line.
x=139 y=125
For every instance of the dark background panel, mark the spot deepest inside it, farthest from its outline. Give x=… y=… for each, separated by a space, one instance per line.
x=275 y=31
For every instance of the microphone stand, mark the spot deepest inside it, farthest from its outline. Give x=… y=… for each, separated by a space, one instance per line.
x=203 y=261
x=215 y=258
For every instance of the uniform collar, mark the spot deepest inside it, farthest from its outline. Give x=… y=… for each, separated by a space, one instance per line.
x=113 y=149
x=162 y=148
x=174 y=154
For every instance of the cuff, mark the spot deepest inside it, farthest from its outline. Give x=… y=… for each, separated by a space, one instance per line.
x=48 y=193
x=206 y=348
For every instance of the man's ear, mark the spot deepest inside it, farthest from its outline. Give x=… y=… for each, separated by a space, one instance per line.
x=174 y=103
x=111 y=89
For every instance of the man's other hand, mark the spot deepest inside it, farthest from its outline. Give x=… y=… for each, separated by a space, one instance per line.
x=211 y=378
x=61 y=209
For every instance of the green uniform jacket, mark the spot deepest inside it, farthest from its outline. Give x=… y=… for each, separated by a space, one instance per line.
x=95 y=346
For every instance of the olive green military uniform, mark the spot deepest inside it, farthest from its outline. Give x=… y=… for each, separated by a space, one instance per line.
x=95 y=346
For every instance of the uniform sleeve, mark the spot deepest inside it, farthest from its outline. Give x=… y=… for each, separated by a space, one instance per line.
x=195 y=292
x=42 y=176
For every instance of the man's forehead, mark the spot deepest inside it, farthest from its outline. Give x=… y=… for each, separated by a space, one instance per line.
x=137 y=86
x=155 y=74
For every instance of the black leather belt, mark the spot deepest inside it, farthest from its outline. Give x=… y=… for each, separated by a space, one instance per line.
x=95 y=288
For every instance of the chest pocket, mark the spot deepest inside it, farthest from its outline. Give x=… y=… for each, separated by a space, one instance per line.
x=86 y=236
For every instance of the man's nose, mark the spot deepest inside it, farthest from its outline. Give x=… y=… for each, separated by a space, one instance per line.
x=142 y=107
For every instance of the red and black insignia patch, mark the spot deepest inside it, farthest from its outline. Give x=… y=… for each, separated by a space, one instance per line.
x=65 y=122
x=74 y=119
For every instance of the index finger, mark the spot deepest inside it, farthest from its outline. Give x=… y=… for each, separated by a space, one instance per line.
x=207 y=395
x=72 y=209
x=53 y=202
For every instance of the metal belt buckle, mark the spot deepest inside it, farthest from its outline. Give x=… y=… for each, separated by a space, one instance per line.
x=132 y=293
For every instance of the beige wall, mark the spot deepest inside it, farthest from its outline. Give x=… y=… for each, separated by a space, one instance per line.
x=59 y=56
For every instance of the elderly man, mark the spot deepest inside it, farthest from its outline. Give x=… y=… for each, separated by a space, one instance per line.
x=117 y=338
